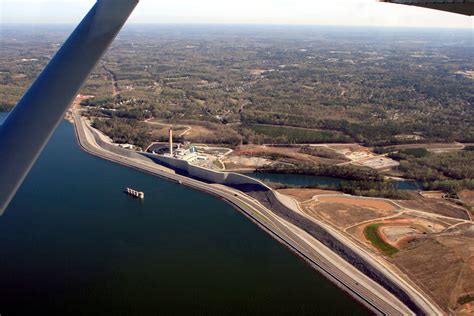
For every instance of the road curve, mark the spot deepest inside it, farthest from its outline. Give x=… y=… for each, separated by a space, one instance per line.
x=340 y=272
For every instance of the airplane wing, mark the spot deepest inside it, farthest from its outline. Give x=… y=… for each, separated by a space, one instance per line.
x=465 y=7
x=30 y=125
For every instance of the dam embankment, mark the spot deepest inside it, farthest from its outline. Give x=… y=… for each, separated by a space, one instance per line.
x=270 y=199
x=262 y=198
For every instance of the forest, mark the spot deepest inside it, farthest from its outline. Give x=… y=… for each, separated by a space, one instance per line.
x=265 y=85
x=456 y=165
x=321 y=84
x=342 y=172
x=124 y=131
x=450 y=172
x=291 y=135
x=380 y=189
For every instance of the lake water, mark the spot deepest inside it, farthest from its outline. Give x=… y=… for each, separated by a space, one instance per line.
x=331 y=183
x=72 y=243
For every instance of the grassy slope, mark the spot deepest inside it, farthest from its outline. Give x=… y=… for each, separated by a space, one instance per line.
x=371 y=233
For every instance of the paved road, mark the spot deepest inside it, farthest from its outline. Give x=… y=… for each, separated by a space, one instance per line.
x=411 y=289
x=347 y=277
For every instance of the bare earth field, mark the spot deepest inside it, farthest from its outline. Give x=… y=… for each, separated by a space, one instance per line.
x=397 y=235
x=444 y=265
x=414 y=226
x=191 y=132
x=436 y=206
x=467 y=197
x=162 y=131
x=198 y=132
x=432 y=194
x=432 y=237
x=342 y=215
x=354 y=201
x=302 y=195
x=234 y=162
x=363 y=156
x=348 y=148
x=282 y=153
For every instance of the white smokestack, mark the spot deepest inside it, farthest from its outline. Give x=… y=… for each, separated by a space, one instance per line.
x=171 y=142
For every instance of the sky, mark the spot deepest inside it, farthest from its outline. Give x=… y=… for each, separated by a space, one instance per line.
x=298 y=12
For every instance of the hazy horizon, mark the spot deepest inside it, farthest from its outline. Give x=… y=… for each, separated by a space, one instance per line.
x=361 y=13
x=246 y=25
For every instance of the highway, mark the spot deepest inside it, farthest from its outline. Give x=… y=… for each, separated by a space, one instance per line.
x=343 y=274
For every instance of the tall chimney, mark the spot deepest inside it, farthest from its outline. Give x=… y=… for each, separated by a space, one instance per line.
x=171 y=142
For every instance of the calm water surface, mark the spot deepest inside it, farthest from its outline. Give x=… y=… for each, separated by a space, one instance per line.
x=72 y=243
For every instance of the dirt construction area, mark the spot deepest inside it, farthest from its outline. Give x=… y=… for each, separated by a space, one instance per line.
x=444 y=265
x=430 y=241
x=288 y=155
x=193 y=133
x=467 y=196
x=436 y=206
x=240 y=162
x=306 y=194
x=397 y=235
x=350 y=200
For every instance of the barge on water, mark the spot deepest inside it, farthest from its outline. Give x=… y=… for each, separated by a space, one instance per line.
x=135 y=193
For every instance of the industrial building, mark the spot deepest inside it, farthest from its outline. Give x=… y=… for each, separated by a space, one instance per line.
x=177 y=151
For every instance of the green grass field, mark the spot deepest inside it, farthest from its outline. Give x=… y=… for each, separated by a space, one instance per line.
x=372 y=235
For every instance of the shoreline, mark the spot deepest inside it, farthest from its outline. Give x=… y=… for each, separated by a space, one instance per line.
x=323 y=259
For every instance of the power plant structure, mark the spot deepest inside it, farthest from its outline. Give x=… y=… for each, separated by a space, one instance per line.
x=189 y=154
x=171 y=142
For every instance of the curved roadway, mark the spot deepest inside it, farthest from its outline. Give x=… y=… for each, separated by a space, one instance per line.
x=343 y=274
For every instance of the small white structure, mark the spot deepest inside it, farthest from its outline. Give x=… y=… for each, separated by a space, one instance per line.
x=134 y=193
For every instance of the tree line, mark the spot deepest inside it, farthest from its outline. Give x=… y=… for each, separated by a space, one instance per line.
x=341 y=172
x=123 y=131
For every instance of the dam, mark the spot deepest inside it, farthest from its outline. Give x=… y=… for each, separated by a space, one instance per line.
x=181 y=252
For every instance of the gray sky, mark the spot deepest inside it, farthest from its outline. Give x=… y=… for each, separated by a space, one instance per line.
x=317 y=12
